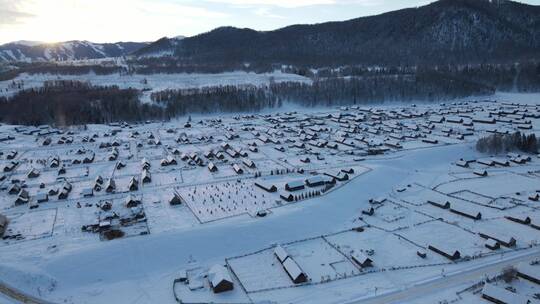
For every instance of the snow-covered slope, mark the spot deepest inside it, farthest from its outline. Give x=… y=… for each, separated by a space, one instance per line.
x=162 y=47
x=28 y=42
x=70 y=50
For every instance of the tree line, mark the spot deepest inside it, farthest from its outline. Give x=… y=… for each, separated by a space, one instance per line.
x=430 y=86
x=523 y=76
x=63 y=103
x=499 y=143
x=67 y=102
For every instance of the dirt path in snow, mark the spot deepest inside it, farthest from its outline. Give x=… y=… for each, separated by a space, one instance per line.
x=20 y=296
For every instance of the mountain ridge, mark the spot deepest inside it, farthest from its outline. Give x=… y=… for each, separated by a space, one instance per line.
x=442 y=32
x=69 y=50
x=446 y=31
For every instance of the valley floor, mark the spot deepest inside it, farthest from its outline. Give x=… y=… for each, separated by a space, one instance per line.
x=397 y=160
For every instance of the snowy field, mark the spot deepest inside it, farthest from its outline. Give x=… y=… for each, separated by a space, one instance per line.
x=153 y=82
x=369 y=204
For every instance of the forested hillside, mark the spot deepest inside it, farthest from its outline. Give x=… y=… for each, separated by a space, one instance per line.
x=444 y=32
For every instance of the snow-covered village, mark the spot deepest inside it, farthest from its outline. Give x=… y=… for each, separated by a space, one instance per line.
x=270 y=152
x=350 y=204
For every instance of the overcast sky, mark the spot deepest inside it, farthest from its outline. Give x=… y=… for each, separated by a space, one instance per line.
x=148 y=20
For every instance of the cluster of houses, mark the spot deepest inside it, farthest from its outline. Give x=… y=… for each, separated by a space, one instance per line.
x=116 y=219
x=40 y=131
x=378 y=130
x=218 y=278
x=374 y=130
x=320 y=180
x=364 y=129
x=169 y=160
x=470 y=213
x=511 y=158
x=226 y=148
x=303 y=140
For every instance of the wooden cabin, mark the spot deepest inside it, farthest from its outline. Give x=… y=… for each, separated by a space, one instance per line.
x=492 y=244
x=294 y=186
x=442 y=205
x=294 y=271
x=212 y=167
x=504 y=240
x=500 y=295
x=266 y=187
x=110 y=186
x=361 y=260
x=447 y=253
x=133 y=184
x=146 y=177
x=175 y=199
x=238 y=169
x=131 y=201
x=220 y=279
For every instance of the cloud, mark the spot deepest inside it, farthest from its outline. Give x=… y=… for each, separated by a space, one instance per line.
x=11 y=13
x=297 y=3
x=103 y=20
x=267 y=13
x=278 y=3
x=157 y=8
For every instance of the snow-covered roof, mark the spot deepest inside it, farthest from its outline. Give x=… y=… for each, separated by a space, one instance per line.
x=361 y=258
x=316 y=179
x=281 y=253
x=295 y=184
x=527 y=270
x=292 y=268
x=491 y=243
x=503 y=295
x=218 y=274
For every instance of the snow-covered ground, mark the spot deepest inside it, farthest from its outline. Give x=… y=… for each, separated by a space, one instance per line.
x=153 y=82
x=396 y=159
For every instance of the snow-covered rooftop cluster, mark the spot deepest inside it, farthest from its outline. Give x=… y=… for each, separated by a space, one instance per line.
x=341 y=205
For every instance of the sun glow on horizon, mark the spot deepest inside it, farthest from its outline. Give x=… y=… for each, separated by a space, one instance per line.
x=53 y=21
x=100 y=20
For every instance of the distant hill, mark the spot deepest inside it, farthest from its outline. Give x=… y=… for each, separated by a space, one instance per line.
x=30 y=51
x=162 y=47
x=444 y=32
